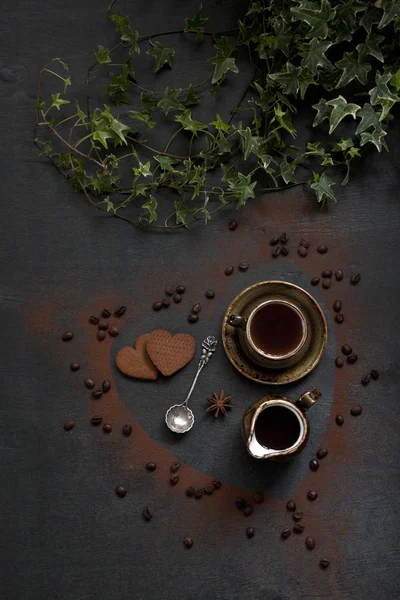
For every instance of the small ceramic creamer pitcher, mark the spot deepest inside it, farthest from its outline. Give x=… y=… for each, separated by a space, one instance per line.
x=276 y=428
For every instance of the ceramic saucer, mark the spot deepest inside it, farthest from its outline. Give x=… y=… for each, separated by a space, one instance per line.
x=244 y=303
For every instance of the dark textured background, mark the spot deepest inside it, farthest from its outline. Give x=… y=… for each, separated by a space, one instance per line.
x=64 y=534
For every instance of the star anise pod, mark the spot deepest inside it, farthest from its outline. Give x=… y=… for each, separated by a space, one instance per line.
x=218 y=402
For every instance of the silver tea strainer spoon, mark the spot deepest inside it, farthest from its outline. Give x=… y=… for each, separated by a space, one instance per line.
x=179 y=418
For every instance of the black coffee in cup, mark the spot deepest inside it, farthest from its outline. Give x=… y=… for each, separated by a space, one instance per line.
x=277 y=329
x=277 y=427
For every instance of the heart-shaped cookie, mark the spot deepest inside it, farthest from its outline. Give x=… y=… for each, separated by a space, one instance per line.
x=169 y=352
x=136 y=362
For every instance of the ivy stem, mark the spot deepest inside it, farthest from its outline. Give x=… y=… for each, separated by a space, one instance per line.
x=172 y=138
x=136 y=141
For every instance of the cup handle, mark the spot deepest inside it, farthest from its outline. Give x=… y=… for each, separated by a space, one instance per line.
x=237 y=321
x=309 y=398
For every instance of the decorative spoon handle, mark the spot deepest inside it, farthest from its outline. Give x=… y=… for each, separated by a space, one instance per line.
x=208 y=349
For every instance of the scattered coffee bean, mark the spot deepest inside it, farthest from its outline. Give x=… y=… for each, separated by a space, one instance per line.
x=258 y=498
x=106 y=386
x=232 y=225
x=113 y=331
x=151 y=466
x=175 y=466
x=107 y=428
x=326 y=283
x=147 y=514
x=355 y=279
x=217 y=484
x=190 y=492
x=322 y=452
x=209 y=489
x=375 y=374
x=250 y=532
x=310 y=543
x=327 y=274
x=301 y=251
x=199 y=492
x=339 y=318
x=180 y=289
x=67 y=336
x=174 y=479
x=210 y=294
x=177 y=298
x=276 y=251
x=285 y=533
x=97 y=393
x=94 y=320
x=291 y=505
x=68 y=425
x=339 y=275
x=337 y=307
x=339 y=420
x=89 y=383
x=322 y=249
x=347 y=350
x=248 y=510
x=314 y=464
x=101 y=335
x=240 y=503
x=352 y=359
x=192 y=318
x=298 y=527
x=339 y=362
x=105 y=313
x=188 y=542
x=165 y=302
x=120 y=491
x=196 y=308
x=315 y=281
x=74 y=366
x=243 y=266
x=304 y=243
x=297 y=516
x=284 y=251
x=311 y=495
x=127 y=429
x=365 y=379
x=96 y=420
x=229 y=271
x=324 y=563
x=157 y=306
x=103 y=325
x=169 y=290
x=121 y=310
x=274 y=241
x=283 y=238
x=356 y=410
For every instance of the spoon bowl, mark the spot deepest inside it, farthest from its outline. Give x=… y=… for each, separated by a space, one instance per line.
x=179 y=418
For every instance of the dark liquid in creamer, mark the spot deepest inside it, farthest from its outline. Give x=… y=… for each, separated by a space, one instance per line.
x=277 y=428
x=276 y=329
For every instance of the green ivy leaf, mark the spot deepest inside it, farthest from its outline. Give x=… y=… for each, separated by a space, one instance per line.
x=316 y=14
x=354 y=152
x=323 y=188
x=289 y=80
x=162 y=56
x=395 y=80
x=143 y=117
x=40 y=104
x=170 y=101
x=370 y=119
x=102 y=55
x=189 y=124
x=109 y=204
x=222 y=66
x=57 y=101
x=373 y=138
x=191 y=98
x=151 y=207
x=143 y=169
x=353 y=68
x=340 y=110
x=265 y=43
x=391 y=9
x=255 y=9
x=343 y=145
x=122 y=23
x=148 y=102
x=305 y=79
x=314 y=56
x=285 y=120
x=197 y=23
x=242 y=188
x=132 y=37
x=229 y=173
x=251 y=144
x=323 y=112
x=381 y=91
x=371 y=46
x=182 y=212
x=220 y=125
x=288 y=170
x=346 y=14
x=284 y=37
x=371 y=16
x=166 y=162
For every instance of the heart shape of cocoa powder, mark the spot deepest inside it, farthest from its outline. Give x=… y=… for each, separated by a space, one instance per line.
x=136 y=362
x=169 y=352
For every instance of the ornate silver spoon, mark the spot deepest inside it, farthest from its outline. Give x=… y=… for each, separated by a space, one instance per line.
x=179 y=418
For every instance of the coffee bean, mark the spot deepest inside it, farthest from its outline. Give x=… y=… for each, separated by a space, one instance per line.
x=97 y=393
x=285 y=533
x=217 y=484
x=324 y=563
x=315 y=281
x=175 y=466
x=326 y=274
x=258 y=498
x=243 y=266
x=322 y=452
x=127 y=429
x=103 y=325
x=210 y=294
x=240 y=503
x=326 y=283
x=311 y=495
x=339 y=362
x=121 y=310
x=177 y=298
x=339 y=275
x=274 y=241
x=106 y=386
x=352 y=359
x=94 y=320
x=180 y=289
x=174 y=479
x=107 y=428
x=298 y=528
x=74 y=366
x=297 y=516
x=157 y=306
x=248 y=510
x=147 y=514
x=105 y=313
x=365 y=379
x=314 y=464
x=68 y=425
x=250 y=532
x=67 y=336
x=375 y=374
x=339 y=318
x=301 y=251
x=283 y=238
x=304 y=243
x=151 y=466
x=196 y=308
x=101 y=335
x=291 y=505
x=188 y=542
x=165 y=302
x=120 y=491
x=229 y=270
x=347 y=350
x=322 y=249
x=284 y=251
x=96 y=420
x=310 y=543
x=339 y=420
x=190 y=492
x=337 y=307
x=209 y=489
x=356 y=410
x=232 y=225
x=276 y=251
x=113 y=331
x=355 y=279
x=89 y=383
x=192 y=318
x=199 y=492
x=169 y=290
